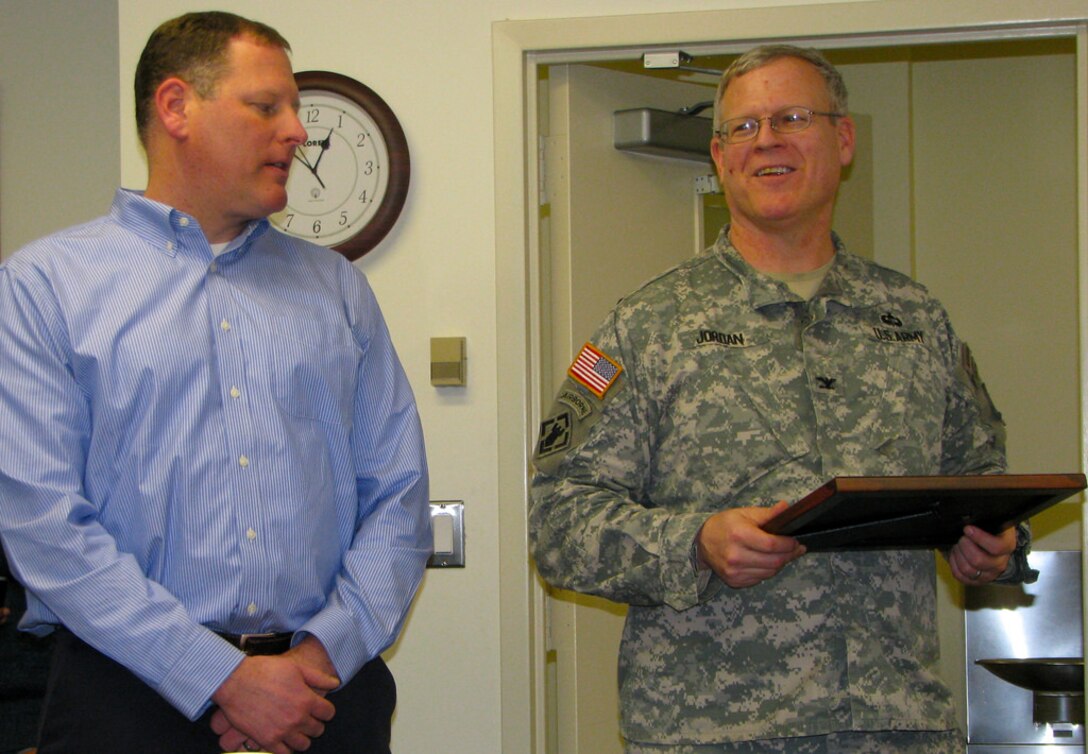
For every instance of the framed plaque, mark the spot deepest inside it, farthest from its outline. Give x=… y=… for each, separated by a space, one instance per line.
x=920 y=512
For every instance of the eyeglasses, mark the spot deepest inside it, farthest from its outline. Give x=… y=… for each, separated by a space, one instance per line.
x=789 y=120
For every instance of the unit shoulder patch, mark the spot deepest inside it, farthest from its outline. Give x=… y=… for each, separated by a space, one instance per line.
x=554 y=434
x=577 y=403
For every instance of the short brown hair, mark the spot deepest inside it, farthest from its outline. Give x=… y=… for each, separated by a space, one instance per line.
x=194 y=48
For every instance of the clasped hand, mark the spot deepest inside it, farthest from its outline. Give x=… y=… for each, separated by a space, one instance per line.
x=277 y=702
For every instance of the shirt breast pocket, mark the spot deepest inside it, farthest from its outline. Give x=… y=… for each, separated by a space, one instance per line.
x=903 y=401
x=723 y=424
x=314 y=369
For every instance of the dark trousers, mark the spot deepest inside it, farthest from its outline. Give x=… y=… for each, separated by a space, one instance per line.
x=93 y=704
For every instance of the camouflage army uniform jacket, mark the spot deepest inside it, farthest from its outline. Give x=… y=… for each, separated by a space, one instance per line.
x=735 y=392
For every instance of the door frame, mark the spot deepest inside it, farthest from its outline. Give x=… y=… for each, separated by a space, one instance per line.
x=519 y=49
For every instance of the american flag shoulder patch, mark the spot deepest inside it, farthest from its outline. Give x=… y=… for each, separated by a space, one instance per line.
x=594 y=370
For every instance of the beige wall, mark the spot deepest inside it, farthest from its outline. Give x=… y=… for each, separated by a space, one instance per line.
x=975 y=198
x=996 y=234
x=994 y=237
x=59 y=141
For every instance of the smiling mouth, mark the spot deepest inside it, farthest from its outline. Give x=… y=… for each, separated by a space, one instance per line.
x=776 y=170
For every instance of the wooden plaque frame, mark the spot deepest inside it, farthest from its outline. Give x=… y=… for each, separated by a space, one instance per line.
x=920 y=512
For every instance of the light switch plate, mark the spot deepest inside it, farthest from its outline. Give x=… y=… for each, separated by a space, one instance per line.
x=448 y=362
x=448 y=525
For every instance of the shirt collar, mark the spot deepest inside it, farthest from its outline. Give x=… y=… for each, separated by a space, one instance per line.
x=168 y=229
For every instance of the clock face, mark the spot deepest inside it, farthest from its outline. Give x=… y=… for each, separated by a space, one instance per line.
x=349 y=179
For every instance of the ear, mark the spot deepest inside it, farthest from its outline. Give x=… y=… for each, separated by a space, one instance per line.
x=172 y=100
x=847 y=133
x=717 y=154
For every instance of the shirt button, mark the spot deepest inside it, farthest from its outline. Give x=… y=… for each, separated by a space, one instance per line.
x=251 y=608
x=243 y=461
x=169 y=245
x=213 y=267
x=183 y=222
x=251 y=534
x=224 y=326
x=235 y=392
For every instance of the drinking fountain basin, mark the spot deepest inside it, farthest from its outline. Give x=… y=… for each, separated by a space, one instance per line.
x=1057 y=685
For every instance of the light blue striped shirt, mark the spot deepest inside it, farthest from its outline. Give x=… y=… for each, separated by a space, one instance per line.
x=195 y=444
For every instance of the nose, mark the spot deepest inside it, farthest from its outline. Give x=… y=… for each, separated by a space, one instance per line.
x=295 y=131
x=766 y=135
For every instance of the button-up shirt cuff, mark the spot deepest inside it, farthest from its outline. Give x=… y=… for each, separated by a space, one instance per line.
x=199 y=673
x=681 y=579
x=339 y=635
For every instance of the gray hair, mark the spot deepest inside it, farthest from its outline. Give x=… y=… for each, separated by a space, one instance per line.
x=758 y=57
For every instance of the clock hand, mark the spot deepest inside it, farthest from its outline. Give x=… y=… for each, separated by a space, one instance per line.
x=309 y=167
x=302 y=158
x=324 y=148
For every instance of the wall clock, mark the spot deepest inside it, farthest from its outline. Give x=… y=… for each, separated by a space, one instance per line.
x=350 y=178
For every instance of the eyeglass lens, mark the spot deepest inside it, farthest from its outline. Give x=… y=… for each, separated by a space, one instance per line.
x=786 y=121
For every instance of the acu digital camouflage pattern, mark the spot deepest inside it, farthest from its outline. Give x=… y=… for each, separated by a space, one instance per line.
x=878 y=742
x=735 y=392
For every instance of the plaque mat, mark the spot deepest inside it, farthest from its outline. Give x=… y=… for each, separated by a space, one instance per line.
x=917 y=512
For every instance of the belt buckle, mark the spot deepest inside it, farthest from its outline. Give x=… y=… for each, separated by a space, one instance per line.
x=244 y=639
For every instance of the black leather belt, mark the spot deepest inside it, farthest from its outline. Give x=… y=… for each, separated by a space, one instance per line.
x=260 y=644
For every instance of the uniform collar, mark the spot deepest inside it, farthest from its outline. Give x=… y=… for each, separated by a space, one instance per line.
x=849 y=282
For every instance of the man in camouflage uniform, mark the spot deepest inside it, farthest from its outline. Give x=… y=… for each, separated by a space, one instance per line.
x=741 y=379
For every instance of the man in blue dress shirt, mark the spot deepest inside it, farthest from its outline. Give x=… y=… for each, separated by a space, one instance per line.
x=213 y=479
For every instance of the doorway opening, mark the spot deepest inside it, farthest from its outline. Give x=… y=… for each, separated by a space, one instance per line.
x=908 y=222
